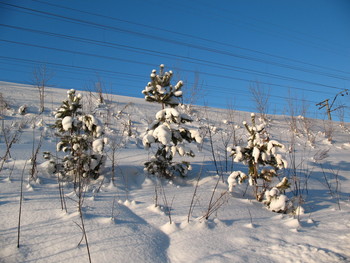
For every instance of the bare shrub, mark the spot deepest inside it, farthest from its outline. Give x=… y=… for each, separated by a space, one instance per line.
x=11 y=135
x=99 y=89
x=193 y=93
x=299 y=173
x=293 y=112
x=307 y=123
x=3 y=104
x=328 y=130
x=216 y=201
x=332 y=182
x=341 y=116
x=41 y=78
x=232 y=119
x=260 y=97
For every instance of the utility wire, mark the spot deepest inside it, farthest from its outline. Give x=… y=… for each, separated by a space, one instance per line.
x=219 y=17
x=192 y=36
x=166 y=54
x=144 y=35
x=149 y=64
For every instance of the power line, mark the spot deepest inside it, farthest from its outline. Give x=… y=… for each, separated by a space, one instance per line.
x=148 y=51
x=212 y=50
x=200 y=62
x=190 y=35
x=149 y=64
x=254 y=27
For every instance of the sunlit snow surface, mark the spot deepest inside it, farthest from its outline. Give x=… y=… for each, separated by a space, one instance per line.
x=121 y=221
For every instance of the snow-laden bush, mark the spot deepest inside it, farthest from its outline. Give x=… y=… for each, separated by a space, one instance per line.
x=80 y=138
x=168 y=130
x=261 y=155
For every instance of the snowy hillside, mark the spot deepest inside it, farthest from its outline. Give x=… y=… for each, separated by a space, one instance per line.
x=197 y=219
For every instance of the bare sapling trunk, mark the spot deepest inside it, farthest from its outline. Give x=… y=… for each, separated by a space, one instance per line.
x=167 y=205
x=212 y=148
x=113 y=207
x=33 y=159
x=61 y=192
x=20 y=207
x=156 y=194
x=192 y=205
x=226 y=138
x=113 y=157
x=81 y=196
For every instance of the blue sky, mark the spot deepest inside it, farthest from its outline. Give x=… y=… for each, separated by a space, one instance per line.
x=291 y=49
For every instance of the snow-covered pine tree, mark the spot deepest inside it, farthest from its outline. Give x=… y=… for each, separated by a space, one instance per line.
x=263 y=161
x=168 y=130
x=80 y=138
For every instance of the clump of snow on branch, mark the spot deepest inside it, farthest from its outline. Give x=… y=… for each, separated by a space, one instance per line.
x=234 y=178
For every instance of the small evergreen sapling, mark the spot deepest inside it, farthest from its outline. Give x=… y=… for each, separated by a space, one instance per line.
x=80 y=138
x=168 y=130
x=260 y=152
x=160 y=90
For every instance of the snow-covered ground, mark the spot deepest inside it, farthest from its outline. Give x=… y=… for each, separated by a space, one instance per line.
x=121 y=220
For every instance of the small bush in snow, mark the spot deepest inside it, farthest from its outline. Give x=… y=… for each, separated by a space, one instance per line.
x=263 y=161
x=80 y=138
x=3 y=104
x=168 y=130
